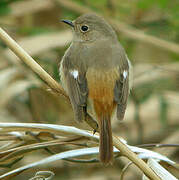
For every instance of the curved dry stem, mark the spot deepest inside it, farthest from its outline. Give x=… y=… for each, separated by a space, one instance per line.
x=124 y=170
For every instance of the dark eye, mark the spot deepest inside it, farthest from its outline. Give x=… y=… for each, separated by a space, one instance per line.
x=84 y=28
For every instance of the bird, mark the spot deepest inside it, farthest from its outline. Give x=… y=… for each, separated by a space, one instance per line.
x=95 y=72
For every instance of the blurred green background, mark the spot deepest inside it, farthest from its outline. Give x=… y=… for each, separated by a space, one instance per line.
x=153 y=110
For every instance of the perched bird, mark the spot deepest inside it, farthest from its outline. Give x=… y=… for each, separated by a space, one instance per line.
x=95 y=73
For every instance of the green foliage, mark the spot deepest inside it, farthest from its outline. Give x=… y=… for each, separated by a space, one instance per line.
x=4 y=9
x=145 y=4
x=4 y=6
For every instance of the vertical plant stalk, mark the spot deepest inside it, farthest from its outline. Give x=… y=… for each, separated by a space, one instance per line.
x=27 y=59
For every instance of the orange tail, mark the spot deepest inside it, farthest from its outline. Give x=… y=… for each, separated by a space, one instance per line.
x=106 y=144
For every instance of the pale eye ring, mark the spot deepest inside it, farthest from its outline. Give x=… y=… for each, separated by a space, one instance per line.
x=84 y=28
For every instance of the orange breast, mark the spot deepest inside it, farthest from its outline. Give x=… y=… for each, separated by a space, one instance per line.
x=101 y=89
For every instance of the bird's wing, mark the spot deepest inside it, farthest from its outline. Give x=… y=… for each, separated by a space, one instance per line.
x=76 y=87
x=121 y=90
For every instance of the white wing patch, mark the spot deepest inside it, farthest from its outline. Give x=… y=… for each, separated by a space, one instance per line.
x=130 y=73
x=74 y=73
x=125 y=74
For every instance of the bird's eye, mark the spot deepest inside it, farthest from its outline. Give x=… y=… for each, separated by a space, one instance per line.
x=84 y=28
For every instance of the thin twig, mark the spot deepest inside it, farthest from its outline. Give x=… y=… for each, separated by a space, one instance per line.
x=81 y=160
x=124 y=170
x=43 y=175
x=158 y=145
x=39 y=140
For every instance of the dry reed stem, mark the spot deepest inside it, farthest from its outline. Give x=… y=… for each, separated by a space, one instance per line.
x=29 y=61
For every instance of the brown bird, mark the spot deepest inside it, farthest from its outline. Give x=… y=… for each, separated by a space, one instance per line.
x=95 y=74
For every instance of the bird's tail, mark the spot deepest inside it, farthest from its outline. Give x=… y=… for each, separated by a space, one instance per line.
x=106 y=143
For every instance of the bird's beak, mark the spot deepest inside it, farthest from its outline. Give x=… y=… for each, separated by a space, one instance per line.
x=68 y=22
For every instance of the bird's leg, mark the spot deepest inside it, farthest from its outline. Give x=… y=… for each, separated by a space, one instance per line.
x=92 y=123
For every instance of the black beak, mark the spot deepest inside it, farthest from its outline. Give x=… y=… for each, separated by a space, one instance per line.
x=68 y=22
